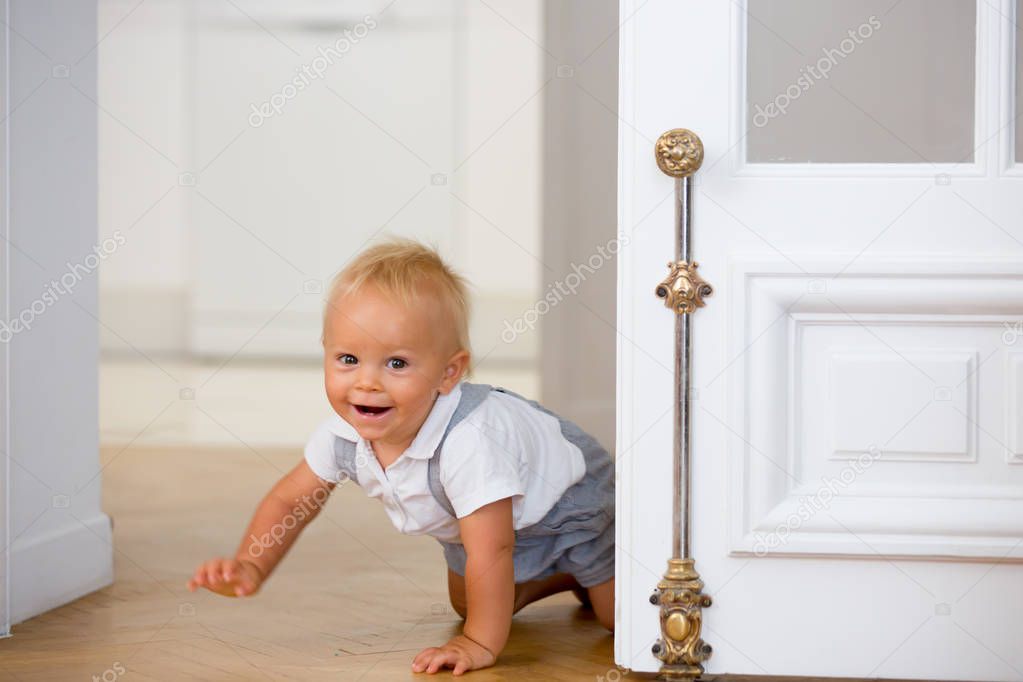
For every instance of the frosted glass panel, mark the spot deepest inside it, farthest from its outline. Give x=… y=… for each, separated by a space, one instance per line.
x=860 y=81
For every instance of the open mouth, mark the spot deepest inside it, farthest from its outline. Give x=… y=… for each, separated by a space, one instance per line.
x=371 y=410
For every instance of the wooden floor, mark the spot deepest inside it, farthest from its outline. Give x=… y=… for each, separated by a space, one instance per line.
x=354 y=600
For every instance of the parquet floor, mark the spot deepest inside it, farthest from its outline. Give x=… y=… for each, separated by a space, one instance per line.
x=354 y=600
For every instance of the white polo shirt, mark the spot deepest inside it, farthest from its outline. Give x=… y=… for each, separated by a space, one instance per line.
x=503 y=448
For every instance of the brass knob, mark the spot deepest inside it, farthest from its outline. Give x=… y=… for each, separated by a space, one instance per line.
x=676 y=626
x=679 y=152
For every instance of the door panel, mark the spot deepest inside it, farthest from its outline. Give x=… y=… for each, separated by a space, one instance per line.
x=866 y=429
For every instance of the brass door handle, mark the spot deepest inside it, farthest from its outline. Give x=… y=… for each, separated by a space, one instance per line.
x=679 y=153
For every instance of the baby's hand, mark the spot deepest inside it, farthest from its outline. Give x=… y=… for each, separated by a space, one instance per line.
x=460 y=653
x=229 y=577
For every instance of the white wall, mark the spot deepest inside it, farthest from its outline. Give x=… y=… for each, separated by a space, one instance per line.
x=580 y=212
x=443 y=87
x=60 y=539
x=143 y=147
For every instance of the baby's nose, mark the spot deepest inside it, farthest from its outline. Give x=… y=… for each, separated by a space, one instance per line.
x=368 y=379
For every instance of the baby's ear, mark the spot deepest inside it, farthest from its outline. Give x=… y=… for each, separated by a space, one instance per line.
x=454 y=371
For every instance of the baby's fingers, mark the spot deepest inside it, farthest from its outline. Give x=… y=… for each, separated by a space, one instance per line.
x=430 y=660
x=463 y=665
x=244 y=586
x=423 y=659
x=212 y=575
x=216 y=572
x=441 y=659
x=198 y=579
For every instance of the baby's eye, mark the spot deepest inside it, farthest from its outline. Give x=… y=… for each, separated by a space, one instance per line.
x=397 y=363
x=347 y=359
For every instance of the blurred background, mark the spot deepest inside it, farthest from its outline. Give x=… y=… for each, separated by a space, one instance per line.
x=247 y=149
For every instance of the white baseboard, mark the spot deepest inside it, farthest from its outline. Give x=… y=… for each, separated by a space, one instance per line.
x=54 y=568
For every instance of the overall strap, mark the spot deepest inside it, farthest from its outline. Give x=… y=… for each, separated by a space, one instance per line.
x=472 y=396
x=344 y=457
x=569 y=429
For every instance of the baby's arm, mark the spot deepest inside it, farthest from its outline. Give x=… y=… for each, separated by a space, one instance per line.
x=489 y=539
x=294 y=501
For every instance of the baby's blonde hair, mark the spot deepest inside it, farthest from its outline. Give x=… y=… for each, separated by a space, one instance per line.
x=405 y=271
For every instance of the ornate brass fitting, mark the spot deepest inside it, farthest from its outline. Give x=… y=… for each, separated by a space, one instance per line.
x=679 y=152
x=680 y=596
x=683 y=289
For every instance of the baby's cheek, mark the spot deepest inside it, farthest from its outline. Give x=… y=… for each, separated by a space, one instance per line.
x=335 y=391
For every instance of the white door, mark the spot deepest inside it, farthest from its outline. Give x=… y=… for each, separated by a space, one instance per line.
x=857 y=504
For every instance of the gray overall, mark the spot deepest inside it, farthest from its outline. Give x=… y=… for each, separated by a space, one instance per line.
x=576 y=536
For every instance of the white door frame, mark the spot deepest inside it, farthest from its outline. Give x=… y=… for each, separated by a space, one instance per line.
x=5 y=282
x=57 y=541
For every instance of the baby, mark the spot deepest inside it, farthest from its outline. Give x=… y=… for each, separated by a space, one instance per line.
x=521 y=500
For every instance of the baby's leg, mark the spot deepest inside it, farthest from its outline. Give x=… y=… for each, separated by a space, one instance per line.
x=582 y=595
x=525 y=593
x=534 y=590
x=603 y=598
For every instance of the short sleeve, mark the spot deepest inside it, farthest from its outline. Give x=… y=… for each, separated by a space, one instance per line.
x=479 y=467
x=319 y=453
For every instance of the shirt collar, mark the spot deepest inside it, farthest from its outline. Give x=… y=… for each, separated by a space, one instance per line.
x=430 y=433
x=425 y=443
x=339 y=427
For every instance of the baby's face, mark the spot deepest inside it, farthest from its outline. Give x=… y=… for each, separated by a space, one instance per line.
x=384 y=364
